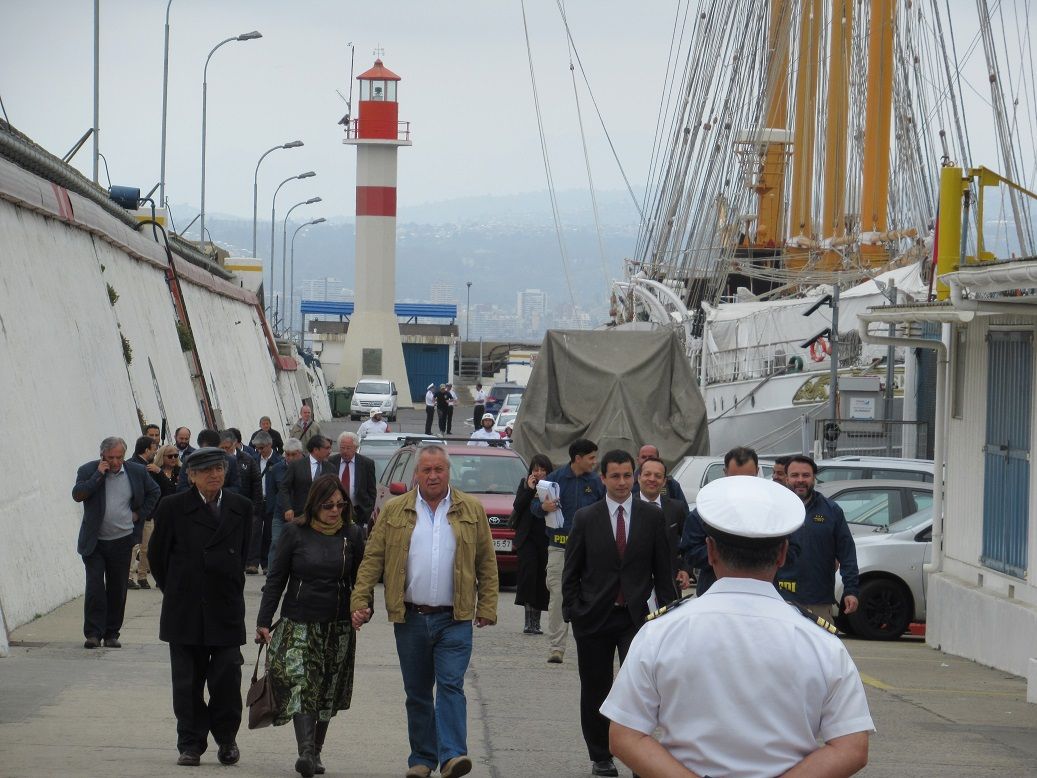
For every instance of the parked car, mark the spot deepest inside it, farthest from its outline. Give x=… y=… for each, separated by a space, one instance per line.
x=380 y=446
x=496 y=396
x=504 y=419
x=877 y=503
x=511 y=403
x=854 y=468
x=893 y=579
x=692 y=473
x=488 y=473
x=374 y=392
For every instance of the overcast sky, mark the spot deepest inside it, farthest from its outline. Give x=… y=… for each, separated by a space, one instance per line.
x=466 y=91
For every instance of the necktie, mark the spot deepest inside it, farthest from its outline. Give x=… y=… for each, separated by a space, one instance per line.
x=621 y=547
x=345 y=478
x=316 y=470
x=214 y=509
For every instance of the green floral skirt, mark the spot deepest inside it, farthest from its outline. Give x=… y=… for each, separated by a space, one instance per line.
x=311 y=668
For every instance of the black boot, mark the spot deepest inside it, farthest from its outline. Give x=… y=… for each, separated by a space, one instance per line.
x=528 y=629
x=305 y=732
x=534 y=622
x=318 y=743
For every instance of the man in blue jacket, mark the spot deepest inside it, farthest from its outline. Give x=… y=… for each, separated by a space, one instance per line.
x=825 y=543
x=579 y=485
x=115 y=495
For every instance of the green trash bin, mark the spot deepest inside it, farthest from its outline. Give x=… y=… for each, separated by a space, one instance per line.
x=339 y=400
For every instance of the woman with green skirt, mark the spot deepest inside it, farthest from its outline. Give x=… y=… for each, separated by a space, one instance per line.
x=313 y=646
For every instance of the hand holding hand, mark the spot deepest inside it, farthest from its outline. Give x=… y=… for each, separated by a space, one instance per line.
x=360 y=617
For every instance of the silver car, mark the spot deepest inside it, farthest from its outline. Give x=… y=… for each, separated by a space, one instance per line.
x=893 y=580
x=877 y=502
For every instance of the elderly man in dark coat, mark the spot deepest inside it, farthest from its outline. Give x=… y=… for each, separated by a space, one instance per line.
x=198 y=553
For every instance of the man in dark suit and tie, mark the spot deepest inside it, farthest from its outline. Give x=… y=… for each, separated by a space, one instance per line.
x=356 y=472
x=651 y=478
x=262 y=524
x=115 y=494
x=299 y=476
x=616 y=557
x=198 y=552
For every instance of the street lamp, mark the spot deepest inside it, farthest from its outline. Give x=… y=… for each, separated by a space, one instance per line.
x=468 y=313
x=291 y=320
x=165 y=101
x=273 y=222
x=289 y=293
x=255 y=195
x=245 y=36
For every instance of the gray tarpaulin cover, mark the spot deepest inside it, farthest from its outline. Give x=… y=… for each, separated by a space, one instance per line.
x=620 y=389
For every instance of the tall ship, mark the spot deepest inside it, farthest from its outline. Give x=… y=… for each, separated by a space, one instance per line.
x=795 y=182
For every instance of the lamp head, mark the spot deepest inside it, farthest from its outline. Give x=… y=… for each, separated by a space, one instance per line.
x=318 y=221
x=250 y=36
x=313 y=200
x=308 y=174
x=293 y=144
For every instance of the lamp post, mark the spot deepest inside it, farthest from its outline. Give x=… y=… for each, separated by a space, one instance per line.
x=273 y=222
x=291 y=281
x=255 y=197
x=165 y=102
x=468 y=313
x=245 y=36
x=289 y=293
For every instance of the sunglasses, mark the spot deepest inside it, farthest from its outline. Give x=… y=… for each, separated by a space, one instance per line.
x=171 y=456
x=334 y=506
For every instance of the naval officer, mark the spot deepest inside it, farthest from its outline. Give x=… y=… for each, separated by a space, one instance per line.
x=769 y=680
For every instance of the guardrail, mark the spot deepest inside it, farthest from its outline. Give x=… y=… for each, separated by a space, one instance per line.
x=873 y=437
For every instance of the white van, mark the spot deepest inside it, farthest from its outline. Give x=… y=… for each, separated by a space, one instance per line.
x=374 y=392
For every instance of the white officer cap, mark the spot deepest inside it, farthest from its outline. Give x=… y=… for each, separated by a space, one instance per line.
x=489 y=416
x=749 y=508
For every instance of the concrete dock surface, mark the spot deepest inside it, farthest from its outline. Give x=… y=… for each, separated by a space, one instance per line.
x=68 y=711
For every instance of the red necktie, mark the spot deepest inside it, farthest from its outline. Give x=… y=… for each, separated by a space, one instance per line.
x=621 y=547
x=345 y=478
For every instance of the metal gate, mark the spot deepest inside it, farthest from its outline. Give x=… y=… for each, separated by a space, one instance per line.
x=1006 y=477
x=426 y=364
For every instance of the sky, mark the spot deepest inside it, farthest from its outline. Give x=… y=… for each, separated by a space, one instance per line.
x=466 y=92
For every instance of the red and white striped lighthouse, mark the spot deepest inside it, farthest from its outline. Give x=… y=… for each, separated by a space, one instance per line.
x=373 y=345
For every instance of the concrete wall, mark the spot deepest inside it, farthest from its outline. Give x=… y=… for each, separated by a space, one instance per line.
x=973 y=611
x=65 y=384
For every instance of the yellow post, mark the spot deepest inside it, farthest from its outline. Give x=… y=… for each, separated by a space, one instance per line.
x=948 y=245
x=771 y=186
x=801 y=208
x=878 y=117
x=834 y=211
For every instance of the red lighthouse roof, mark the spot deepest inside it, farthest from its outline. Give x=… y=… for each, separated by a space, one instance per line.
x=378 y=73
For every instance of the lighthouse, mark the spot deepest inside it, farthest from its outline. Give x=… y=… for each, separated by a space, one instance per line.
x=373 y=346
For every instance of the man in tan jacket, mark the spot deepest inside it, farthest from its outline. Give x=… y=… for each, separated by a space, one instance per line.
x=433 y=547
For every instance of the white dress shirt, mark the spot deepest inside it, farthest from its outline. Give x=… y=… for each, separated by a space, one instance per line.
x=657 y=501
x=352 y=475
x=263 y=465
x=480 y=397
x=314 y=467
x=430 y=559
x=612 y=506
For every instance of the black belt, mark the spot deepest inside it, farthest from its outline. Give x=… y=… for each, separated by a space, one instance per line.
x=426 y=610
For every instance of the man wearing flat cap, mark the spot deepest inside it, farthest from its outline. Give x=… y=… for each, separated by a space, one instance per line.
x=198 y=553
x=769 y=684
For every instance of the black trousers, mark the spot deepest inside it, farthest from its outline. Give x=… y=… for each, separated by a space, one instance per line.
x=259 y=544
x=596 y=653
x=107 y=574
x=531 y=588
x=442 y=419
x=450 y=419
x=193 y=668
x=430 y=413
x=477 y=416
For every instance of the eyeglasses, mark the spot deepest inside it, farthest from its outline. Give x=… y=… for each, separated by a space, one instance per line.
x=171 y=456
x=334 y=506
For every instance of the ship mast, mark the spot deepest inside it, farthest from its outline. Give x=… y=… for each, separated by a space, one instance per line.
x=804 y=128
x=879 y=110
x=833 y=225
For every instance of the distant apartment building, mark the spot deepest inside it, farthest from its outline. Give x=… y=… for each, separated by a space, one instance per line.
x=443 y=293
x=324 y=289
x=530 y=309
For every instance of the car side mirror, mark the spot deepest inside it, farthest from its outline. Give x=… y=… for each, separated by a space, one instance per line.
x=397 y=488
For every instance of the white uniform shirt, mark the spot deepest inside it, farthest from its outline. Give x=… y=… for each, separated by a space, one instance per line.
x=765 y=685
x=483 y=434
x=370 y=426
x=480 y=397
x=430 y=399
x=430 y=559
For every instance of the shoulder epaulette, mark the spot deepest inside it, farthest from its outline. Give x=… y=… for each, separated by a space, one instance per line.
x=823 y=623
x=665 y=609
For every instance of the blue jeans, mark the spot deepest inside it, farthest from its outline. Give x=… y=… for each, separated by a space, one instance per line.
x=435 y=650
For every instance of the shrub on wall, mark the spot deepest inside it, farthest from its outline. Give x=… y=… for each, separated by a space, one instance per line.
x=113 y=296
x=127 y=350
x=186 y=339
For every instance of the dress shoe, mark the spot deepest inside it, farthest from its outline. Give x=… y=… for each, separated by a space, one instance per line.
x=142 y=583
x=604 y=767
x=189 y=759
x=418 y=771
x=555 y=658
x=132 y=585
x=91 y=643
x=228 y=753
x=251 y=570
x=459 y=765
x=112 y=643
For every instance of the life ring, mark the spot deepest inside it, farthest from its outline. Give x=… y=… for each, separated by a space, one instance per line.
x=820 y=349
x=795 y=365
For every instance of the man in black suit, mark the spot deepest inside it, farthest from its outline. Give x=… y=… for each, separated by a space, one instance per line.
x=115 y=496
x=299 y=476
x=249 y=484
x=616 y=557
x=198 y=552
x=356 y=472
x=651 y=477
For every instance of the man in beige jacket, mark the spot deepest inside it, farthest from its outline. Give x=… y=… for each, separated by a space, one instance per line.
x=433 y=547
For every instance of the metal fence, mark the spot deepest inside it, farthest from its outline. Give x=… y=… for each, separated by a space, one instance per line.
x=875 y=438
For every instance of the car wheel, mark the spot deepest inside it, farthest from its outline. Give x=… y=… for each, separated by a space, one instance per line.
x=884 y=611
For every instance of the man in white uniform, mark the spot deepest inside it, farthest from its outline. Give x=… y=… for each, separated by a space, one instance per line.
x=769 y=684
x=485 y=432
x=373 y=424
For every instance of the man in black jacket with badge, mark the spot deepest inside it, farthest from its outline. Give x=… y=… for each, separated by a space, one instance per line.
x=198 y=552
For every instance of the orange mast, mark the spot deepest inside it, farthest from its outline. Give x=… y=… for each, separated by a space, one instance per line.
x=875 y=180
x=800 y=221
x=834 y=211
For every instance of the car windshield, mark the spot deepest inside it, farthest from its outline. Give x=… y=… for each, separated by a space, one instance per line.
x=372 y=387
x=913 y=521
x=368 y=447
x=380 y=456
x=485 y=474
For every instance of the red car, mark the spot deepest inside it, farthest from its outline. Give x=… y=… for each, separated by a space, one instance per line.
x=491 y=474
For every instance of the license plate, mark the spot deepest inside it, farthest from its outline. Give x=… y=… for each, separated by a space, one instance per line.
x=502 y=544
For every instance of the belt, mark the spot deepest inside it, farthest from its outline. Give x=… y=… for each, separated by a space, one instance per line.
x=426 y=610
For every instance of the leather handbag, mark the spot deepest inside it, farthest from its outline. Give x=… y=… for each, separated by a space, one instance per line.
x=260 y=697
